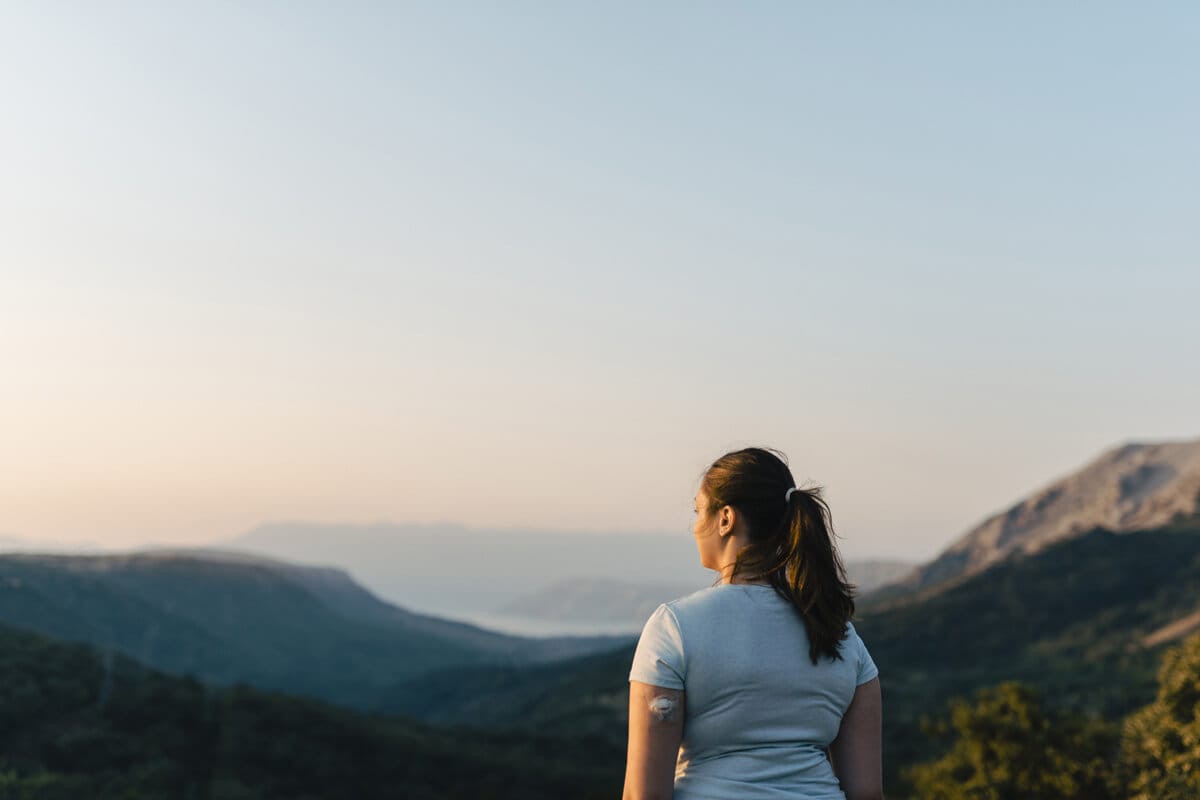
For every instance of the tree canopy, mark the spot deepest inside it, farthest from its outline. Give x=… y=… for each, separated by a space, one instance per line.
x=1161 y=743
x=1007 y=746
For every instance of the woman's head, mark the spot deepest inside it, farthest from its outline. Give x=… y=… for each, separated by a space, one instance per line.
x=783 y=538
x=740 y=501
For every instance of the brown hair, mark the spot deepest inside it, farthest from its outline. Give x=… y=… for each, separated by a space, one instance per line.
x=791 y=543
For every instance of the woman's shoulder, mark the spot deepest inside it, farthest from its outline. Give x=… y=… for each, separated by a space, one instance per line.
x=851 y=635
x=866 y=664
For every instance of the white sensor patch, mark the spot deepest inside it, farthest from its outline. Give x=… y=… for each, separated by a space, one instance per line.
x=663 y=708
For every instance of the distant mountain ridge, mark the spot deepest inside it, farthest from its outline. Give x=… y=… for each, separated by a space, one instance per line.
x=497 y=574
x=453 y=570
x=17 y=544
x=1135 y=486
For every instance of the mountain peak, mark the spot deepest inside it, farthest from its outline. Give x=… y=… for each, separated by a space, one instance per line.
x=1133 y=486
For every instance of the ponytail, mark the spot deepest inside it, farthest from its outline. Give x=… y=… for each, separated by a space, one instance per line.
x=791 y=544
x=812 y=576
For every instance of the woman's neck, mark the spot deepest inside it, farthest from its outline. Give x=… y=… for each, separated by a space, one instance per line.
x=741 y=580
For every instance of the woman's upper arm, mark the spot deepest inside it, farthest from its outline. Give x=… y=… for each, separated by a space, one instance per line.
x=655 y=731
x=857 y=752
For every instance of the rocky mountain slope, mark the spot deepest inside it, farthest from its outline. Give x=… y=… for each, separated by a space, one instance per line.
x=1132 y=487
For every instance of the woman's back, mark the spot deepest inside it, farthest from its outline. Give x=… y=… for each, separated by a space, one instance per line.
x=759 y=714
x=766 y=667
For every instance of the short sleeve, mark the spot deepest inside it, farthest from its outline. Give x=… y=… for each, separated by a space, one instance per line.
x=866 y=665
x=658 y=659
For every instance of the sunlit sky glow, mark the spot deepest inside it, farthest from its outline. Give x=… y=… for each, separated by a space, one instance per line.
x=535 y=265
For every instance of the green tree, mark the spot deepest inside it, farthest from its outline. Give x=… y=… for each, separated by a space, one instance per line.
x=1006 y=747
x=1161 y=742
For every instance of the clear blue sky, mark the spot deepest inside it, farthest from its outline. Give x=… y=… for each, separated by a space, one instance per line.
x=536 y=264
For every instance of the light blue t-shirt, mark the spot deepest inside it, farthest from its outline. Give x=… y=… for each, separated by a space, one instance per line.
x=758 y=714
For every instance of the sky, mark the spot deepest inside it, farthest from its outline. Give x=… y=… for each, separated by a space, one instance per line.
x=537 y=264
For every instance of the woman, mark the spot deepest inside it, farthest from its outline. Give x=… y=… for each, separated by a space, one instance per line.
x=759 y=686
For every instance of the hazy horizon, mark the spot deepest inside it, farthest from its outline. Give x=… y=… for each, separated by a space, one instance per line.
x=9 y=540
x=536 y=267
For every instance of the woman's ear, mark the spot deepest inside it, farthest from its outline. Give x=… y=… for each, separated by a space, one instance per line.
x=727 y=521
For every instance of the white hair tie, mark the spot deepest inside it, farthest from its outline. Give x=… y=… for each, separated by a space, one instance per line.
x=787 y=498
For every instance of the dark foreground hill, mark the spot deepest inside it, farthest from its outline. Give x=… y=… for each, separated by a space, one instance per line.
x=229 y=618
x=1082 y=621
x=76 y=725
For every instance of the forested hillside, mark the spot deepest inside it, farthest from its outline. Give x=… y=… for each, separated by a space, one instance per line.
x=1071 y=621
x=77 y=724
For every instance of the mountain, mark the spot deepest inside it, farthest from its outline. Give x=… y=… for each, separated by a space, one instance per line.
x=228 y=618
x=1131 y=487
x=1084 y=620
x=870 y=574
x=83 y=724
x=607 y=601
